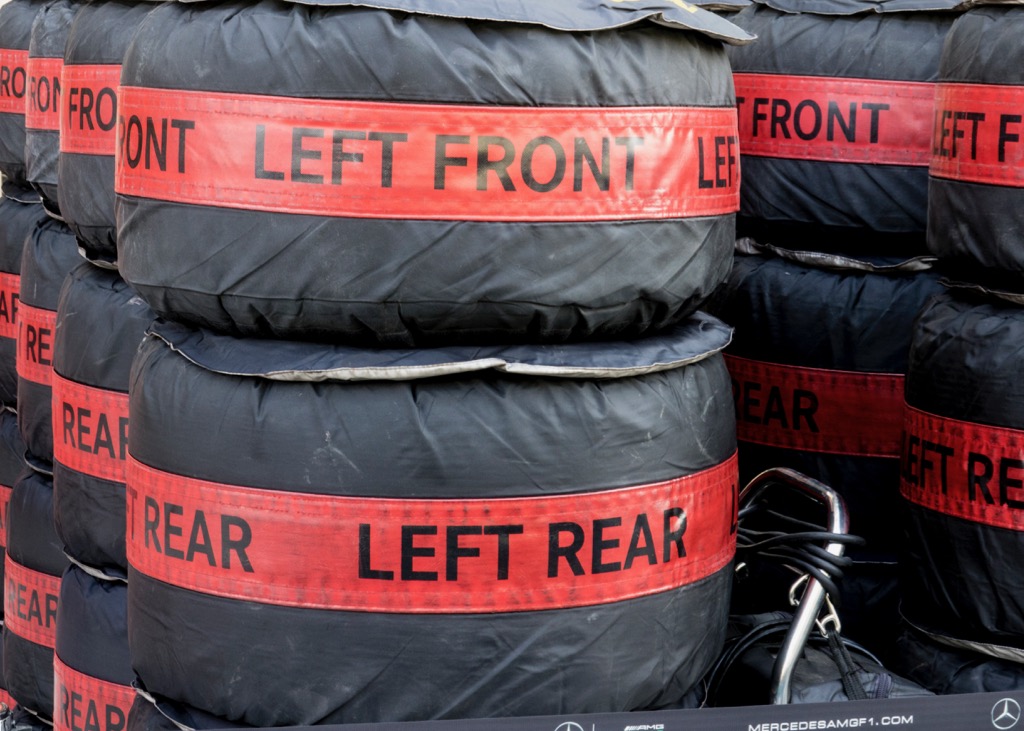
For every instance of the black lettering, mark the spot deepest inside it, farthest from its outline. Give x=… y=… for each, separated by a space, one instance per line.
x=442 y=161
x=300 y=153
x=781 y=111
x=583 y=154
x=703 y=181
x=157 y=147
x=503 y=532
x=675 y=527
x=977 y=479
x=182 y=125
x=231 y=544
x=261 y=169
x=107 y=121
x=641 y=532
x=339 y=155
x=365 y=569
x=133 y=155
x=453 y=551
x=630 y=143
x=557 y=551
x=411 y=551
x=199 y=540
x=875 y=110
x=773 y=408
x=600 y=544
x=150 y=523
x=751 y=402
x=170 y=529
x=92 y=717
x=526 y=164
x=68 y=423
x=1005 y=135
x=803 y=132
x=759 y=116
x=1008 y=482
x=847 y=126
x=115 y=718
x=83 y=430
x=499 y=167
x=805 y=406
x=387 y=153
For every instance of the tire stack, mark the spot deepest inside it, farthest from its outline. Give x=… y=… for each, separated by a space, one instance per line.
x=35 y=555
x=101 y=322
x=961 y=463
x=835 y=106
x=430 y=426
x=21 y=211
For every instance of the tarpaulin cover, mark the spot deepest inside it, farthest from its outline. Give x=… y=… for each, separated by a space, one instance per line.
x=433 y=451
x=857 y=7
x=46 y=56
x=93 y=672
x=962 y=477
x=96 y=43
x=835 y=127
x=31 y=596
x=100 y=324
x=21 y=210
x=949 y=670
x=50 y=253
x=572 y=15
x=809 y=331
x=16 y=18
x=12 y=463
x=977 y=173
x=491 y=182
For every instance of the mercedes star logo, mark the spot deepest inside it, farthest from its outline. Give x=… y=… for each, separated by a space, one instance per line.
x=1005 y=714
x=573 y=726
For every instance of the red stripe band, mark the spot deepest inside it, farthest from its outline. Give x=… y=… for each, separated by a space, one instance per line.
x=426 y=161
x=85 y=703
x=817 y=410
x=978 y=134
x=5 y=501
x=10 y=288
x=834 y=119
x=35 y=344
x=30 y=603
x=430 y=556
x=13 y=80
x=90 y=429
x=88 y=112
x=7 y=699
x=42 y=112
x=969 y=471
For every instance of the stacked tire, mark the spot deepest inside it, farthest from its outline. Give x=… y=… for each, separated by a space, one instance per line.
x=835 y=106
x=961 y=454
x=405 y=368
x=100 y=324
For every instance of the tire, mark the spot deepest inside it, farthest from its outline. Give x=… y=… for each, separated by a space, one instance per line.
x=275 y=654
x=430 y=267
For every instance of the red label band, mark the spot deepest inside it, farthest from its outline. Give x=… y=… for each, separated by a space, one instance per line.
x=30 y=603
x=430 y=556
x=817 y=410
x=426 y=161
x=5 y=501
x=835 y=120
x=42 y=112
x=84 y=703
x=979 y=134
x=10 y=288
x=90 y=429
x=88 y=111
x=35 y=344
x=13 y=80
x=969 y=471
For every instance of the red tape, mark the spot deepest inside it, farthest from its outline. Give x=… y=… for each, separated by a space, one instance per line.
x=30 y=603
x=966 y=470
x=13 y=80
x=978 y=134
x=10 y=289
x=430 y=556
x=34 y=361
x=426 y=161
x=88 y=112
x=90 y=429
x=817 y=410
x=42 y=111
x=835 y=119
x=85 y=703
x=5 y=501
